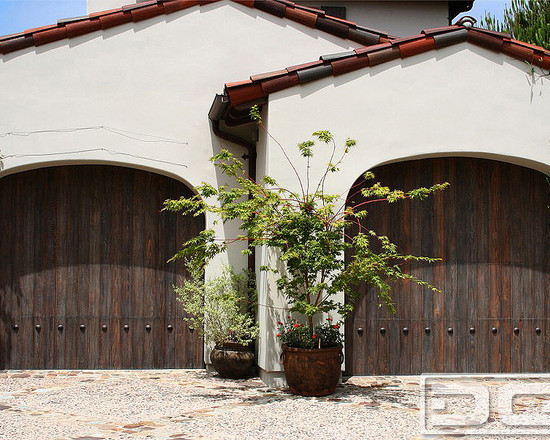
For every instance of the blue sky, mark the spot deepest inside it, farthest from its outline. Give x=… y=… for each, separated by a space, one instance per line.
x=495 y=7
x=18 y=15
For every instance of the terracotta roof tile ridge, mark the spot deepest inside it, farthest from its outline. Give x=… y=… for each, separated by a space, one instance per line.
x=318 y=19
x=492 y=33
x=12 y=36
x=530 y=46
x=76 y=26
x=260 y=86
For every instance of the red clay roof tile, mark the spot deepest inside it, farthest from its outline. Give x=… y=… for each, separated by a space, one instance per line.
x=493 y=33
x=338 y=64
x=132 y=6
x=363 y=50
x=280 y=83
x=116 y=19
x=101 y=13
x=332 y=27
x=41 y=28
x=249 y=3
x=304 y=66
x=299 y=15
x=82 y=27
x=416 y=47
x=271 y=6
x=348 y=23
x=485 y=40
x=346 y=65
x=288 y=3
x=406 y=39
x=363 y=37
x=145 y=10
x=517 y=51
x=268 y=75
x=531 y=46
x=316 y=11
x=376 y=31
x=542 y=61
x=440 y=30
x=245 y=93
x=12 y=36
x=239 y=83
x=383 y=56
x=178 y=5
x=49 y=35
x=14 y=44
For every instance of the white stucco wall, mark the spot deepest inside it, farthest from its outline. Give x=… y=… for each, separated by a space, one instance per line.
x=399 y=18
x=138 y=95
x=459 y=101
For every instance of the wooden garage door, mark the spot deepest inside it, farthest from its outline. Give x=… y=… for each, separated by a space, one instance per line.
x=84 y=281
x=491 y=227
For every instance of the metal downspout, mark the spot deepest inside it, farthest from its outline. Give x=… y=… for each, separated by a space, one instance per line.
x=251 y=147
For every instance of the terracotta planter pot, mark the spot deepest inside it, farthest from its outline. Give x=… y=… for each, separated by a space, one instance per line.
x=233 y=361
x=312 y=372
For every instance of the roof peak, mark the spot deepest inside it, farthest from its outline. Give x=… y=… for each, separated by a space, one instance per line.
x=76 y=26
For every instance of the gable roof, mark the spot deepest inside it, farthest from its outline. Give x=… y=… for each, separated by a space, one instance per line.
x=260 y=86
x=74 y=27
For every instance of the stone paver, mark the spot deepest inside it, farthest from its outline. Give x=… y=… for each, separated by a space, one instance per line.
x=194 y=404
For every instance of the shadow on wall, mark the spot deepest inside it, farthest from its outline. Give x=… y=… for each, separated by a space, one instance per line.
x=274 y=309
x=235 y=257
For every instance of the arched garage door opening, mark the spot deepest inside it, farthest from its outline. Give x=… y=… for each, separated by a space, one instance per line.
x=491 y=228
x=84 y=281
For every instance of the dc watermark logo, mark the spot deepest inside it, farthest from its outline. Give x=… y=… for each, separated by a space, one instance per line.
x=485 y=404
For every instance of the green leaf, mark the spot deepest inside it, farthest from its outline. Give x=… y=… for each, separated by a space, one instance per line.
x=323 y=135
x=304 y=230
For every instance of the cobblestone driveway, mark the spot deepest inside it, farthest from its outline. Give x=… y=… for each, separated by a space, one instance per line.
x=193 y=404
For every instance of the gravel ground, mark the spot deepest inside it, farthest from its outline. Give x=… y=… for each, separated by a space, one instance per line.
x=194 y=404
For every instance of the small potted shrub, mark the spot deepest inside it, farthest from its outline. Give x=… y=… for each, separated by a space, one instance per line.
x=223 y=310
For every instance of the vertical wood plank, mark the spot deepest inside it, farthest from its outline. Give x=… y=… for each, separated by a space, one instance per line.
x=482 y=285
x=74 y=259
x=494 y=238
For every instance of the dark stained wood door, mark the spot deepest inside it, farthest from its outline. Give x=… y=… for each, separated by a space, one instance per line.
x=492 y=230
x=84 y=281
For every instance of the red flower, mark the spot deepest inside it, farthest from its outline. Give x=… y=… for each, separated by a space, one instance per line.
x=314 y=336
x=329 y=319
x=336 y=326
x=296 y=325
x=279 y=323
x=278 y=335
